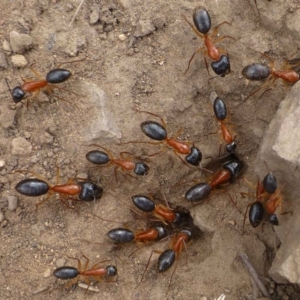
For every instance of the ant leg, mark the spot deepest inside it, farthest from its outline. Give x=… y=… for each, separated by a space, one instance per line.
x=245 y=217
x=78 y=263
x=87 y=261
x=152 y=114
x=206 y=64
x=234 y=203
x=192 y=57
x=222 y=38
x=36 y=73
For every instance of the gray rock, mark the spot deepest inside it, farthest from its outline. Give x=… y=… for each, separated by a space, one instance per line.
x=18 y=61
x=3 y=61
x=6 y=46
x=43 y=139
x=204 y=218
x=12 y=202
x=94 y=17
x=71 y=42
x=143 y=28
x=1 y=216
x=60 y=262
x=20 y=42
x=280 y=151
x=101 y=123
x=20 y=146
x=7 y=116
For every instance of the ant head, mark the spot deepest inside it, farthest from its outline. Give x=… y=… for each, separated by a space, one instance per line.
x=18 y=94
x=272 y=219
x=90 y=191
x=162 y=232
x=141 y=169
x=195 y=156
x=222 y=66
x=187 y=232
x=231 y=147
x=111 y=270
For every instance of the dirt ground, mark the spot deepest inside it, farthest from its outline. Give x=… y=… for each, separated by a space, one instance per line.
x=144 y=72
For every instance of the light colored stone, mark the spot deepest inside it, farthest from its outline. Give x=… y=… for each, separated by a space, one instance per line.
x=20 y=42
x=12 y=202
x=47 y=273
x=6 y=46
x=94 y=17
x=122 y=37
x=143 y=28
x=20 y=146
x=60 y=262
x=18 y=61
x=101 y=124
x=280 y=152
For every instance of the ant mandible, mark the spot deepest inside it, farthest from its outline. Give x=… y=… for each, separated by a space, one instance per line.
x=84 y=189
x=95 y=271
x=202 y=21
x=125 y=162
x=158 y=132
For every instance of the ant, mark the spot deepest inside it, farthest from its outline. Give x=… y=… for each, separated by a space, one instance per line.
x=123 y=235
x=220 y=111
x=165 y=214
x=53 y=77
x=202 y=26
x=85 y=190
x=259 y=72
x=98 y=157
x=95 y=271
x=158 y=132
x=231 y=168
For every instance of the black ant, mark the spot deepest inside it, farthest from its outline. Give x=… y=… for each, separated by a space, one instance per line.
x=202 y=21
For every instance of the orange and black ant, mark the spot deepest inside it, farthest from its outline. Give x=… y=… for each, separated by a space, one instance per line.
x=202 y=25
x=53 y=77
x=158 y=132
x=96 y=271
x=220 y=111
x=125 y=162
x=231 y=168
x=260 y=72
x=84 y=189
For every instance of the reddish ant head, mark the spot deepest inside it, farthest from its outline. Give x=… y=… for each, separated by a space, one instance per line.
x=222 y=66
x=58 y=76
x=202 y=20
x=111 y=271
x=141 y=169
x=18 y=94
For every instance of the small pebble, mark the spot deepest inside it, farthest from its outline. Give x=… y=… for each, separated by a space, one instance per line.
x=18 y=61
x=285 y=297
x=82 y=175
x=6 y=46
x=203 y=298
x=47 y=273
x=3 y=223
x=122 y=37
x=3 y=61
x=12 y=202
x=231 y=222
x=27 y=134
x=2 y=163
x=60 y=262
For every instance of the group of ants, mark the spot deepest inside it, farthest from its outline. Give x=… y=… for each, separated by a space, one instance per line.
x=177 y=220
